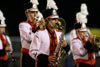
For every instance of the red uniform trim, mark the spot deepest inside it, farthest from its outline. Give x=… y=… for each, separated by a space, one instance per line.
x=24 y=50
x=58 y=30
x=90 y=61
x=4 y=43
x=5 y=57
x=77 y=65
x=52 y=48
x=76 y=38
x=21 y=59
x=32 y=24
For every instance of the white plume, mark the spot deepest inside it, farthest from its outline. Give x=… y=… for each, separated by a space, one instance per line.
x=34 y=2
x=51 y=4
x=1 y=16
x=83 y=25
x=81 y=16
x=84 y=9
x=1 y=13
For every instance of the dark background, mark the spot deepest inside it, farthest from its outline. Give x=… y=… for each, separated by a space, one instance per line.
x=14 y=12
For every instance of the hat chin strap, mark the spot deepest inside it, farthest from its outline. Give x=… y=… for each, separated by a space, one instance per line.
x=30 y=17
x=51 y=25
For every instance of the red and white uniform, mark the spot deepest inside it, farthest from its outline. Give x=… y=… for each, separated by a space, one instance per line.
x=26 y=35
x=80 y=54
x=73 y=34
x=3 y=43
x=10 y=43
x=41 y=43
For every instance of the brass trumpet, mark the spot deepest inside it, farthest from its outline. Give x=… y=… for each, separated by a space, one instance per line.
x=96 y=44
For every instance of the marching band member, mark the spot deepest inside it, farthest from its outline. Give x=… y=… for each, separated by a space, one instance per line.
x=81 y=42
x=27 y=30
x=81 y=17
x=5 y=43
x=45 y=40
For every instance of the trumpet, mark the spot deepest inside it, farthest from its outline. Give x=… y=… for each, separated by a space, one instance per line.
x=40 y=22
x=36 y=19
x=96 y=44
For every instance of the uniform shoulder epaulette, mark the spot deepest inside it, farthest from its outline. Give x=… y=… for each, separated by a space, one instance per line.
x=41 y=30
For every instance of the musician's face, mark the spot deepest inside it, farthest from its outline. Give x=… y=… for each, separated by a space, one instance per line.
x=82 y=34
x=2 y=30
x=32 y=15
x=53 y=22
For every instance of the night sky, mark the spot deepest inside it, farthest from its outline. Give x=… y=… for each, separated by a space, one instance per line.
x=14 y=12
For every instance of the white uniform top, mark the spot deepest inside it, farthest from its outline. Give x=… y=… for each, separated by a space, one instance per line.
x=73 y=34
x=1 y=46
x=26 y=34
x=8 y=40
x=78 y=50
x=77 y=47
x=41 y=43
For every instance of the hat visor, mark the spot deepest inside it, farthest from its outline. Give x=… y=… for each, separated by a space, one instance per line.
x=83 y=30
x=33 y=9
x=3 y=25
x=53 y=16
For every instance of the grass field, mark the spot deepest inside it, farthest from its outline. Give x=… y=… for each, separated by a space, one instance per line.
x=95 y=31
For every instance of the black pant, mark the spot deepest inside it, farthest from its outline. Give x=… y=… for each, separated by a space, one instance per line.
x=42 y=64
x=3 y=63
x=27 y=61
x=42 y=61
x=83 y=65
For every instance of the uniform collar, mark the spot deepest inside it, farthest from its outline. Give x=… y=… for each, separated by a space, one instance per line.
x=51 y=32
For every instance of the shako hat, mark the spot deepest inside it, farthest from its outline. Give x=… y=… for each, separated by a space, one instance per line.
x=51 y=10
x=2 y=19
x=31 y=6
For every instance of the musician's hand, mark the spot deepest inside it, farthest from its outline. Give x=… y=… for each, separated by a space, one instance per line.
x=64 y=43
x=91 y=39
x=13 y=59
x=7 y=48
x=51 y=59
